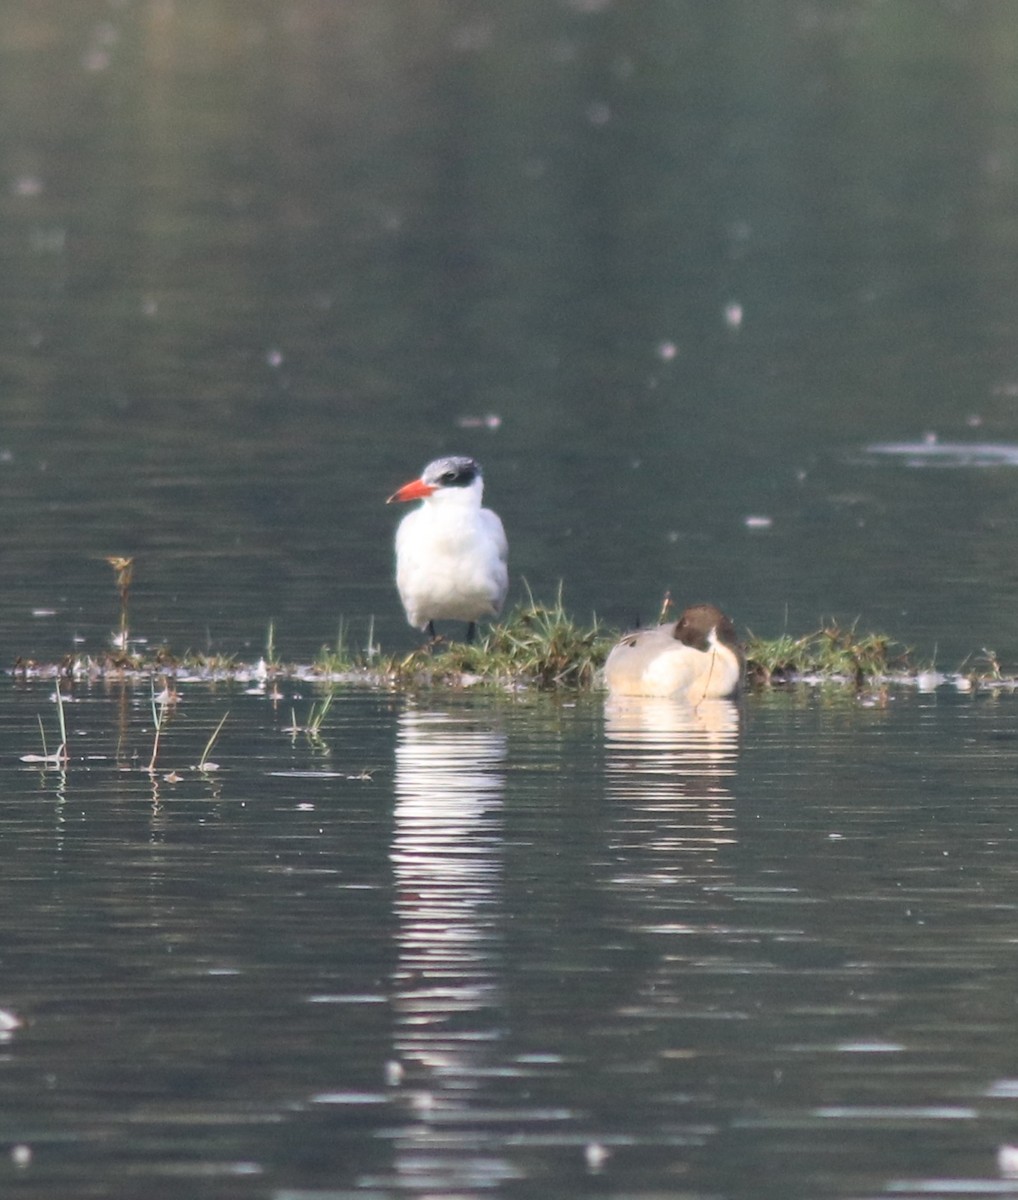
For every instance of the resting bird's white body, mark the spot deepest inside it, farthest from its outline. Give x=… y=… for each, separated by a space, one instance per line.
x=695 y=659
x=451 y=554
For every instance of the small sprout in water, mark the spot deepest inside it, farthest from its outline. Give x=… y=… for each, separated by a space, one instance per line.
x=991 y=659
x=158 y=717
x=371 y=649
x=312 y=730
x=271 y=658
x=59 y=756
x=123 y=574
x=203 y=763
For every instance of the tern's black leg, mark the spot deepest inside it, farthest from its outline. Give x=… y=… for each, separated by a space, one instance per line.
x=471 y=632
x=431 y=631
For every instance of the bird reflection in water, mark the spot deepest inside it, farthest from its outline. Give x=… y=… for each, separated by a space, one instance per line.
x=447 y=860
x=670 y=763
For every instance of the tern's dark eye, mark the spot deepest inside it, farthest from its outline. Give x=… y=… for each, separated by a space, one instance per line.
x=447 y=477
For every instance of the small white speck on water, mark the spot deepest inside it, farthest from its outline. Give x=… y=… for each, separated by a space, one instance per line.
x=733 y=314
x=274 y=358
x=928 y=681
x=21 y=1155
x=97 y=59
x=757 y=521
x=9 y=1021
x=666 y=351
x=27 y=185
x=596 y=1155
x=1007 y=1161
x=484 y=421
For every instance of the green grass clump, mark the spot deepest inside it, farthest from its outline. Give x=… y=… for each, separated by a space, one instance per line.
x=832 y=651
x=343 y=659
x=538 y=645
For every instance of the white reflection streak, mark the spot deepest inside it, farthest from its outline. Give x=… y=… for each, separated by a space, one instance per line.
x=446 y=856
x=669 y=763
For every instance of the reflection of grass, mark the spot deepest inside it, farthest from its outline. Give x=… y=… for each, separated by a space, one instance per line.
x=537 y=645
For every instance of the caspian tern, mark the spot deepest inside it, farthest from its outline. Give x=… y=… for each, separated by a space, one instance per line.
x=697 y=658
x=451 y=553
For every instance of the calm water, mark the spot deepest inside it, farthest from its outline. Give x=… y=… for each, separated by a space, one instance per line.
x=465 y=945
x=723 y=295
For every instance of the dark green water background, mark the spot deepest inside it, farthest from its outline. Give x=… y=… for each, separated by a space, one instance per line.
x=668 y=268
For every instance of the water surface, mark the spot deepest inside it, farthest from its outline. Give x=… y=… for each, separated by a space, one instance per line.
x=470 y=945
x=671 y=271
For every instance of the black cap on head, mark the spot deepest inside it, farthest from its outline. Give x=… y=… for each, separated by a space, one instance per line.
x=455 y=471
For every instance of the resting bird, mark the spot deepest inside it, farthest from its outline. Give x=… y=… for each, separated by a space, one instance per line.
x=451 y=554
x=695 y=659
